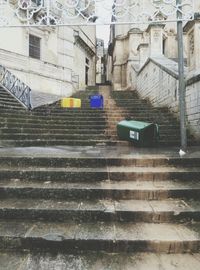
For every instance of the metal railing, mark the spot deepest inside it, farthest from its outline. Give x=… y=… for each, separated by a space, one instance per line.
x=16 y=87
x=92 y=12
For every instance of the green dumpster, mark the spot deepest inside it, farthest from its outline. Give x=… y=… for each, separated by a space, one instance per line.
x=141 y=133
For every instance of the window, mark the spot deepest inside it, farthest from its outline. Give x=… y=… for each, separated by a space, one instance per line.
x=87 y=61
x=34 y=46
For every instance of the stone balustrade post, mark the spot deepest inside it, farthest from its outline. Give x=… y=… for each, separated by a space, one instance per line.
x=155 y=31
x=192 y=30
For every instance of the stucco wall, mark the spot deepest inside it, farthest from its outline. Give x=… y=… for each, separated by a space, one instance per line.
x=60 y=57
x=52 y=72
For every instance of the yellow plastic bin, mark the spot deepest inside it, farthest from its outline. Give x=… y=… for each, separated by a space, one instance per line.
x=71 y=103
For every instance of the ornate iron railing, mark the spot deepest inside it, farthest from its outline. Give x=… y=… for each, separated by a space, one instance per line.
x=77 y=12
x=16 y=87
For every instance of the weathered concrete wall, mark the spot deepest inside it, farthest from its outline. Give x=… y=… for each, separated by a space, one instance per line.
x=157 y=81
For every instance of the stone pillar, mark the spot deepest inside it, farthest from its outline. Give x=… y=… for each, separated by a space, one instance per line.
x=155 y=31
x=192 y=30
x=117 y=77
x=135 y=38
x=143 y=51
x=119 y=58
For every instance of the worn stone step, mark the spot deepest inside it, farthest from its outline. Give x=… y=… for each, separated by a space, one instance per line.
x=90 y=142
x=72 y=111
x=80 y=140
x=116 y=173
x=99 y=236
x=12 y=107
x=83 y=129
x=68 y=130
x=111 y=122
x=73 y=135
x=6 y=97
x=159 y=211
x=52 y=126
x=62 y=111
x=43 y=136
x=55 y=122
x=97 y=261
x=147 y=115
x=76 y=129
x=107 y=189
x=49 y=118
x=5 y=103
x=58 y=110
x=86 y=107
x=30 y=143
x=78 y=159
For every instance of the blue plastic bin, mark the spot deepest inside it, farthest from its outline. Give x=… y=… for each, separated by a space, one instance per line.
x=96 y=101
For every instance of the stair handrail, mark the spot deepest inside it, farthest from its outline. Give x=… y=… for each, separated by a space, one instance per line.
x=15 y=87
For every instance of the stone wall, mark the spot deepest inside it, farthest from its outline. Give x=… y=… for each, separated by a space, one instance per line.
x=193 y=104
x=157 y=81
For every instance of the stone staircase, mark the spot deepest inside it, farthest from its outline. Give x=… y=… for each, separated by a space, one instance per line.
x=88 y=205
x=98 y=208
x=52 y=125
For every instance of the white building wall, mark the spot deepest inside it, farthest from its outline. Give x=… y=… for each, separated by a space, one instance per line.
x=60 y=57
x=81 y=52
x=51 y=73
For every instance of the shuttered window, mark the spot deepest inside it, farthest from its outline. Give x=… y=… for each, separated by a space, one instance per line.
x=34 y=46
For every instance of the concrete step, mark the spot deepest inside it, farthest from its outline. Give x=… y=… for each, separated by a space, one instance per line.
x=6 y=102
x=56 y=108
x=31 y=143
x=93 y=161
x=84 y=129
x=91 y=115
x=99 y=236
x=159 y=211
x=106 y=189
x=73 y=174
x=101 y=137
x=111 y=122
x=90 y=142
x=48 y=136
x=97 y=261
x=52 y=126
x=55 y=122
x=75 y=135
x=41 y=130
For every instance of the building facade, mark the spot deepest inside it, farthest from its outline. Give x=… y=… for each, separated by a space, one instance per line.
x=101 y=65
x=144 y=58
x=57 y=60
